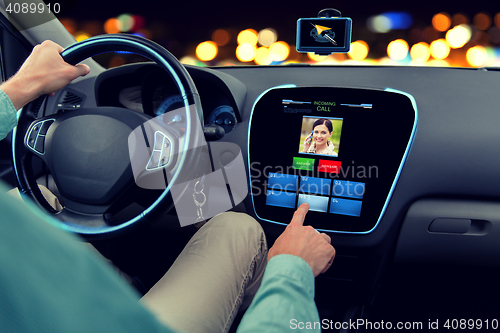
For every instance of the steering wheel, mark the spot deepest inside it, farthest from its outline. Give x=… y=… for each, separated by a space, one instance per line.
x=87 y=150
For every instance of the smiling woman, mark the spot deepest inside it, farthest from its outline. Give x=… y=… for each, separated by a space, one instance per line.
x=320 y=137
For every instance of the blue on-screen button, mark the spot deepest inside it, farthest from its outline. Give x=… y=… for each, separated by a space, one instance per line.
x=345 y=207
x=315 y=185
x=281 y=198
x=349 y=189
x=282 y=182
x=316 y=203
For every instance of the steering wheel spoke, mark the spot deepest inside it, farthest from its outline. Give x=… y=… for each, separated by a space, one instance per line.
x=36 y=135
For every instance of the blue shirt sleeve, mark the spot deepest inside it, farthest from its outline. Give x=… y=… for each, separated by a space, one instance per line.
x=8 y=115
x=285 y=299
x=52 y=282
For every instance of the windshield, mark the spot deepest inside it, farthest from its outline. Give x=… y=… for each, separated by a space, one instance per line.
x=227 y=33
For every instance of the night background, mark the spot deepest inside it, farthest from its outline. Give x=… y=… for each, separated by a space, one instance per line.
x=181 y=26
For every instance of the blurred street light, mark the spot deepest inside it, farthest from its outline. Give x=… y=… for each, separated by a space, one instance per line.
x=397 y=49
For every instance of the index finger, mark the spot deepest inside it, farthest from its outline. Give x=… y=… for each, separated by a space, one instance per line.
x=300 y=214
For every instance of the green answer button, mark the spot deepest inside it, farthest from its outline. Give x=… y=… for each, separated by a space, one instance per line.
x=301 y=163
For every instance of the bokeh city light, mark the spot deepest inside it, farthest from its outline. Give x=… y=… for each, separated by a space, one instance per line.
x=441 y=21
x=267 y=36
x=126 y=21
x=420 y=52
x=458 y=36
x=279 y=51
x=248 y=36
x=397 y=49
x=477 y=56
x=112 y=26
x=206 y=51
x=246 y=52
x=440 y=49
x=80 y=35
x=359 y=50
x=316 y=57
x=221 y=37
x=262 y=56
x=389 y=38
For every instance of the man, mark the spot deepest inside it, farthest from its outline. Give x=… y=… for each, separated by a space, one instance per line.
x=51 y=282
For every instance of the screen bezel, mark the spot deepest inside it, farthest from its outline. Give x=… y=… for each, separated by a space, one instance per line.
x=391 y=101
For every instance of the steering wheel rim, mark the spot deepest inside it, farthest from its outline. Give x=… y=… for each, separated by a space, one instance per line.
x=28 y=115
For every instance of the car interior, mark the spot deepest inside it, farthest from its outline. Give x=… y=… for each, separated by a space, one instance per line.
x=409 y=195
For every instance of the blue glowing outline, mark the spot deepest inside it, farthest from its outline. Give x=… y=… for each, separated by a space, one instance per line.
x=396 y=178
x=103 y=230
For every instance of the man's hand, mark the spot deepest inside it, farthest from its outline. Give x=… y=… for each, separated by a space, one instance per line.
x=305 y=242
x=43 y=72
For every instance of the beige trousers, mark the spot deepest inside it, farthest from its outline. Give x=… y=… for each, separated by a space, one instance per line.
x=217 y=273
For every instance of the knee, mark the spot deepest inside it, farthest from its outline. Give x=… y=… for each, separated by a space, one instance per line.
x=238 y=225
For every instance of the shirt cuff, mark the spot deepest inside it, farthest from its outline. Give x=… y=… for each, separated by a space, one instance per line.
x=292 y=266
x=8 y=115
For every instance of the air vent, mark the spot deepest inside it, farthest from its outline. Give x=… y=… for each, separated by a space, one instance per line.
x=70 y=99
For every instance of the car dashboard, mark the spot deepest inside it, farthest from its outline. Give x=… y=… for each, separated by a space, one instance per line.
x=431 y=132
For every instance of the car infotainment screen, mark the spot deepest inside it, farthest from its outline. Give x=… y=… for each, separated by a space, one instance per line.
x=340 y=150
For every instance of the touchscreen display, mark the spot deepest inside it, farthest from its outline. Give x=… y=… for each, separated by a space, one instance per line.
x=337 y=149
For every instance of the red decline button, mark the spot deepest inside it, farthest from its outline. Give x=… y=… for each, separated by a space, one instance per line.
x=329 y=166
